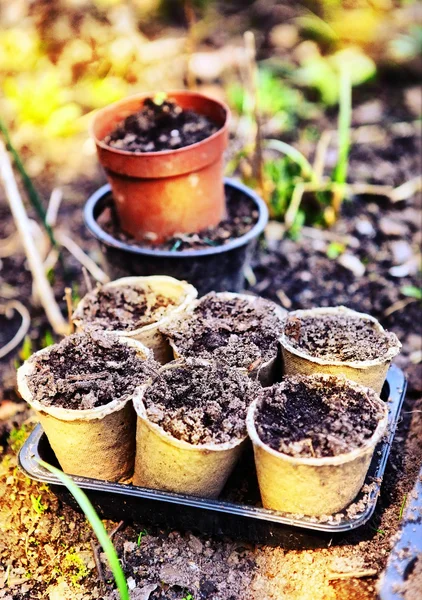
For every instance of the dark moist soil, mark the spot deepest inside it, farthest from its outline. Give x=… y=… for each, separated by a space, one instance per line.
x=241 y=216
x=234 y=331
x=199 y=403
x=126 y=307
x=316 y=417
x=87 y=370
x=159 y=127
x=338 y=337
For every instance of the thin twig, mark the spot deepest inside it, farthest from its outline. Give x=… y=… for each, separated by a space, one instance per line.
x=353 y=574
x=408 y=189
x=88 y=282
x=9 y=245
x=399 y=305
x=116 y=529
x=96 y=554
x=23 y=329
x=252 y=87
x=68 y=298
x=53 y=207
x=321 y=154
x=81 y=257
x=44 y=289
x=27 y=182
x=190 y=43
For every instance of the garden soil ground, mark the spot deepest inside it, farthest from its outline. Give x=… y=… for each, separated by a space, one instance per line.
x=45 y=549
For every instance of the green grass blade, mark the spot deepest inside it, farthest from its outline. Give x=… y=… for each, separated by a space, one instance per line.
x=294 y=155
x=96 y=525
x=29 y=186
x=344 y=123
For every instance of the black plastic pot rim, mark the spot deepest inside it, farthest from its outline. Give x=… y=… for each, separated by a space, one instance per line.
x=109 y=240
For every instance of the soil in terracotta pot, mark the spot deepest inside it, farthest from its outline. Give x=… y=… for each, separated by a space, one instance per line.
x=200 y=403
x=160 y=126
x=338 y=337
x=87 y=370
x=242 y=215
x=126 y=307
x=316 y=417
x=235 y=331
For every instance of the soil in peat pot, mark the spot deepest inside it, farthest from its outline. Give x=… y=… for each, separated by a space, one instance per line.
x=338 y=337
x=126 y=307
x=241 y=216
x=200 y=403
x=235 y=331
x=316 y=416
x=87 y=370
x=160 y=126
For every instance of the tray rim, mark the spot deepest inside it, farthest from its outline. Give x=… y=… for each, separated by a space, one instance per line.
x=397 y=383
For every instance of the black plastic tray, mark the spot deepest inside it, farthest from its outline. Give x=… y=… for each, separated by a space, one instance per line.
x=237 y=513
x=407 y=549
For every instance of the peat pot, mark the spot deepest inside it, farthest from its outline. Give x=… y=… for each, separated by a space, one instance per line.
x=179 y=291
x=314 y=486
x=97 y=442
x=217 y=268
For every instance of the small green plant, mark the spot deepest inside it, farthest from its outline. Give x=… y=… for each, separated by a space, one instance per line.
x=97 y=526
x=17 y=437
x=403 y=504
x=37 y=504
x=335 y=249
x=140 y=536
x=76 y=567
x=411 y=291
x=188 y=597
x=47 y=339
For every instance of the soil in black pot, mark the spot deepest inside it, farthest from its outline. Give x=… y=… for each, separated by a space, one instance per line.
x=200 y=403
x=316 y=416
x=126 y=307
x=338 y=337
x=87 y=370
x=235 y=331
x=241 y=216
x=160 y=126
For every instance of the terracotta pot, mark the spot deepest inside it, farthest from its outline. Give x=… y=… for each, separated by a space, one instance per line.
x=173 y=191
x=97 y=442
x=370 y=373
x=313 y=486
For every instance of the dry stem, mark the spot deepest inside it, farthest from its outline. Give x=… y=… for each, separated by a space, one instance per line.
x=35 y=263
x=23 y=329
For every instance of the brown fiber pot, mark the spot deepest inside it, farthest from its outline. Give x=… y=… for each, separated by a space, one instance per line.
x=370 y=373
x=313 y=486
x=170 y=191
x=98 y=442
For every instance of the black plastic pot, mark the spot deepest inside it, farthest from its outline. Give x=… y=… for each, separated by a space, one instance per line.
x=218 y=268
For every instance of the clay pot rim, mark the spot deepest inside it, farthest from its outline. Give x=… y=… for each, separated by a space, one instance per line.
x=191 y=294
x=111 y=108
x=105 y=238
x=325 y=461
x=392 y=351
x=69 y=414
x=141 y=412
